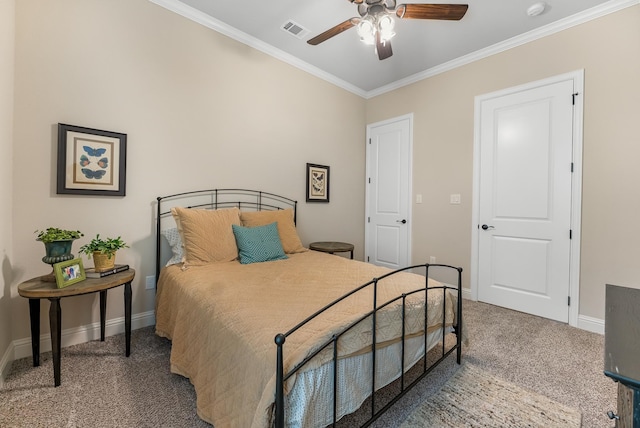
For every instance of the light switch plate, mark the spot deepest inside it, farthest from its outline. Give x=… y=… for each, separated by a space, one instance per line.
x=454 y=199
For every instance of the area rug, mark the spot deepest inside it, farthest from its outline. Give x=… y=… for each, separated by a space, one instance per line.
x=475 y=398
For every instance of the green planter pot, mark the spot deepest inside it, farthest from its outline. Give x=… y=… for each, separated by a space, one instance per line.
x=56 y=252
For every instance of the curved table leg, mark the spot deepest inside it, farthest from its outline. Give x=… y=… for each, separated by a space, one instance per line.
x=103 y=312
x=55 y=318
x=127 y=316
x=34 y=315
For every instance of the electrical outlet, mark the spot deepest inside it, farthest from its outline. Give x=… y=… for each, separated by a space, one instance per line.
x=150 y=282
x=432 y=259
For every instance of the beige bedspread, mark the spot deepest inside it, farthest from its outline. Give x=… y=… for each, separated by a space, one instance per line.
x=222 y=319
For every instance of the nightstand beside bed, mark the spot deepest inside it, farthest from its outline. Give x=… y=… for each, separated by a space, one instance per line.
x=332 y=247
x=35 y=289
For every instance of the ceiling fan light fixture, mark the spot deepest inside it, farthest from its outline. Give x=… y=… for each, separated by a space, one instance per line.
x=376 y=21
x=370 y=26
x=385 y=27
x=367 y=31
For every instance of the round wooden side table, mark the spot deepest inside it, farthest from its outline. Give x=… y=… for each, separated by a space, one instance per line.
x=332 y=247
x=36 y=289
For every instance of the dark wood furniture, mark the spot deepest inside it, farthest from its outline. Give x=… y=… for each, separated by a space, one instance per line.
x=621 y=350
x=332 y=247
x=36 y=289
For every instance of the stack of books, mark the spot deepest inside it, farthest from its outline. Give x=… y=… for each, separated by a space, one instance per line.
x=92 y=273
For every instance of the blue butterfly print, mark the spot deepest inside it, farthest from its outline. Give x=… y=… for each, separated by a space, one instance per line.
x=103 y=163
x=89 y=173
x=94 y=152
x=84 y=161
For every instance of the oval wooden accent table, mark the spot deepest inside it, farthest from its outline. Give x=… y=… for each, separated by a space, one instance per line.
x=36 y=289
x=332 y=247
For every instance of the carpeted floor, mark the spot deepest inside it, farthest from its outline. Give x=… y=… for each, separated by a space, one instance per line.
x=102 y=388
x=482 y=400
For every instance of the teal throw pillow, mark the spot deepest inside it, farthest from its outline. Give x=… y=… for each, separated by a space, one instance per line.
x=258 y=244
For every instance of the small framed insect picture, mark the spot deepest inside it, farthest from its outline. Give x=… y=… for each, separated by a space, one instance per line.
x=91 y=161
x=317 y=183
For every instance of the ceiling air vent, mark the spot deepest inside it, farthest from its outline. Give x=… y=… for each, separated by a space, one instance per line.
x=295 y=29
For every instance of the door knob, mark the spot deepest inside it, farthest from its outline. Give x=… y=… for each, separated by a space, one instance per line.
x=485 y=227
x=403 y=221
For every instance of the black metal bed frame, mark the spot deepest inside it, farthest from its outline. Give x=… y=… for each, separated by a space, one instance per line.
x=257 y=201
x=280 y=340
x=220 y=198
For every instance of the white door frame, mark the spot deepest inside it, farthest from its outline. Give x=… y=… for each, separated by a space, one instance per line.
x=409 y=117
x=576 y=185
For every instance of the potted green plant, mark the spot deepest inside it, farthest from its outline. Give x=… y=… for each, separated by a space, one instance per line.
x=52 y=234
x=103 y=251
x=57 y=245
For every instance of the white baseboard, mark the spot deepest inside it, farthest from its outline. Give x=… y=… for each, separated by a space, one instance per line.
x=466 y=293
x=594 y=325
x=82 y=334
x=5 y=363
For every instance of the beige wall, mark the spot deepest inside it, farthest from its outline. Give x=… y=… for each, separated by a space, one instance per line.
x=200 y=111
x=608 y=49
x=7 y=14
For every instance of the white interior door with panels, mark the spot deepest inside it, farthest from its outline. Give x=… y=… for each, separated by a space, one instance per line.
x=388 y=197
x=526 y=246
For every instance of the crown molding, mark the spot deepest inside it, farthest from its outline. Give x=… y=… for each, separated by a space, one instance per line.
x=555 y=27
x=580 y=18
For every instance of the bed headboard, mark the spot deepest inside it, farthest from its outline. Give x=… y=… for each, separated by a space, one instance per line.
x=213 y=199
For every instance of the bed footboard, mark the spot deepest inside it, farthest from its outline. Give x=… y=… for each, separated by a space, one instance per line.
x=444 y=352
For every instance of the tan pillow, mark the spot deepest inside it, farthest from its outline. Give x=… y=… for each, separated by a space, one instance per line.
x=207 y=235
x=286 y=228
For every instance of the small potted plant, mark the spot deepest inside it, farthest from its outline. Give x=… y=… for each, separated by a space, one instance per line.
x=52 y=234
x=103 y=251
x=57 y=245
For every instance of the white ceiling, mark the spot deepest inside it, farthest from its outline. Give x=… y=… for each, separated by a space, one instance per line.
x=420 y=47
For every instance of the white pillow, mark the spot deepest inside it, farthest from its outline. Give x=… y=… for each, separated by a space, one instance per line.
x=175 y=242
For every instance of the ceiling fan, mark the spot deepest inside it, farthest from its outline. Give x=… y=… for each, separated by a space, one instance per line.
x=375 y=24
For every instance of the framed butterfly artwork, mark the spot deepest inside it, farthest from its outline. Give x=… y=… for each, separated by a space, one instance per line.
x=91 y=161
x=317 y=183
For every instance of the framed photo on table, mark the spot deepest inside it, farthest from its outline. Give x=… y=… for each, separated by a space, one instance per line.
x=69 y=272
x=91 y=161
x=317 y=183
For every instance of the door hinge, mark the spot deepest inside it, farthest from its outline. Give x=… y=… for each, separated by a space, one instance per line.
x=370 y=179
x=568 y=300
x=368 y=219
x=367 y=259
x=573 y=96
x=570 y=234
x=571 y=166
x=369 y=140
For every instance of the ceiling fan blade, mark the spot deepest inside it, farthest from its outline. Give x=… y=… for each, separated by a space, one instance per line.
x=383 y=48
x=334 y=31
x=453 y=12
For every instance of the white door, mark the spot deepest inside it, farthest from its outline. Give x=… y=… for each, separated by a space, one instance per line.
x=524 y=219
x=388 y=202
